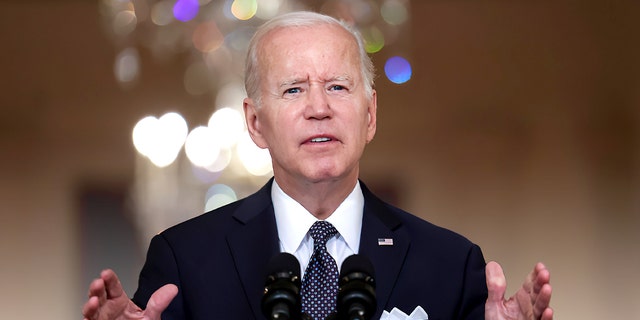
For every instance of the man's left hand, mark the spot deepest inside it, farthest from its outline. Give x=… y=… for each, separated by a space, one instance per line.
x=531 y=302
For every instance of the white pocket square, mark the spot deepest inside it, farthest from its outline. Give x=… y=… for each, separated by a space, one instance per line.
x=396 y=314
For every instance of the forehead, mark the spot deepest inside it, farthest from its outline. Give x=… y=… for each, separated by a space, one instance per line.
x=320 y=48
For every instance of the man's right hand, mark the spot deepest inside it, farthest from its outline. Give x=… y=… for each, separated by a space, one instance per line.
x=108 y=301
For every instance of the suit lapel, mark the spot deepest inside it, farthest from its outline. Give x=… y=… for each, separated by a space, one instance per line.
x=378 y=222
x=254 y=243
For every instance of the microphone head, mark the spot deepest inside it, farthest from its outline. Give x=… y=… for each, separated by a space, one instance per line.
x=356 y=263
x=281 y=265
x=356 y=292
x=281 y=298
x=357 y=267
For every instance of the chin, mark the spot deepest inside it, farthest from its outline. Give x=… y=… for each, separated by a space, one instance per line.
x=327 y=175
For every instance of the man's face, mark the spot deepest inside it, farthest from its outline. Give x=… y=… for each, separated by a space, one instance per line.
x=315 y=117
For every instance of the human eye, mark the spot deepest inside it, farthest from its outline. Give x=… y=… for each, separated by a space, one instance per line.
x=292 y=90
x=339 y=84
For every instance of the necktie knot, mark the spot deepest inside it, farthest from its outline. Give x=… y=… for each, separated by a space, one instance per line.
x=321 y=231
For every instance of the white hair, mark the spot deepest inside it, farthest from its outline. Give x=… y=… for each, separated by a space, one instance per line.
x=300 y=19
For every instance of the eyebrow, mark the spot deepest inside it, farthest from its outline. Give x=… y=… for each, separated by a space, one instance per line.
x=288 y=83
x=291 y=82
x=341 y=78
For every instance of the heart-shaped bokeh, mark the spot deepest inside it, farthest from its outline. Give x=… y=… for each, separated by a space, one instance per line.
x=160 y=139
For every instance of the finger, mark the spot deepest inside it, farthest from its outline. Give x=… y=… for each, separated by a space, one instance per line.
x=524 y=303
x=530 y=282
x=547 y=314
x=160 y=300
x=90 y=307
x=496 y=282
x=543 y=276
x=97 y=289
x=542 y=301
x=112 y=284
x=538 y=277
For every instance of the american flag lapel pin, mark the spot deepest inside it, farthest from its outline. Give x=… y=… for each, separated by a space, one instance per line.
x=385 y=241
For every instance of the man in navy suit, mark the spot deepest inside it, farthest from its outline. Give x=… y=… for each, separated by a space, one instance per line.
x=311 y=102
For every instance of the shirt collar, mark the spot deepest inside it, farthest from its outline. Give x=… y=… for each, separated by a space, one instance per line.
x=293 y=220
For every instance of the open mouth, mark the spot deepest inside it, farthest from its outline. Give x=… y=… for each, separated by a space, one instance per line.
x=321 y=139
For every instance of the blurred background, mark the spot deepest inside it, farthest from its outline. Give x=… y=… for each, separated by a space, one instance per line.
x=516 y=124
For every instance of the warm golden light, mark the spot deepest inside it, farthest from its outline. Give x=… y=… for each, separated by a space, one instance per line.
x=244 y=9
x=207 y=37
x=255 y=160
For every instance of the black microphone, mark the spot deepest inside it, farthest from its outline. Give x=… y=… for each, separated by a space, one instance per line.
x=281 y=299
x=356 y=291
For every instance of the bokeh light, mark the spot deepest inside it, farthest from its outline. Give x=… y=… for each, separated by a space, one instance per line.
x=244 y=9
x=185 y=10
x=176 y=129
x=201 y=147
x=161 y=13
x=207 y=37
x=255 y=160
x=124 y=22
x=161 y=139
x=361 y=11
x=268 y=9
x=221 y=163
x=394 y=12
x=127 y=66
x=397 y=70
x=143 y=135
x=373 y=39
x=219 y=195
x=227 y=125
x=231 y=94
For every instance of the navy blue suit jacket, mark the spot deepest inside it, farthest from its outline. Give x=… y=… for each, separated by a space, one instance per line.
x=218 y=262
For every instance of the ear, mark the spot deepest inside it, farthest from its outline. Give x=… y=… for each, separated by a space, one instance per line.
x=372 y=111
x=252 y=118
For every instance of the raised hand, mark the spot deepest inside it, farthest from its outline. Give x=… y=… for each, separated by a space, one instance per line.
x=530 y=302
x=108 y=301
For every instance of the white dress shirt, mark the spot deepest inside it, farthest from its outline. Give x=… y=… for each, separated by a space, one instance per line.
x=293 y=222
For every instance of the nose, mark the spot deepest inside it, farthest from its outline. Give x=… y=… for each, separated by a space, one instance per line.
x=318 y=106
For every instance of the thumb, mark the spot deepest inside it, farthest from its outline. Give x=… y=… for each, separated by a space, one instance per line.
x=160 y=300
x=496 y=282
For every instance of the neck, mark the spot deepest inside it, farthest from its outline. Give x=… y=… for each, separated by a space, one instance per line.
x=321 y=199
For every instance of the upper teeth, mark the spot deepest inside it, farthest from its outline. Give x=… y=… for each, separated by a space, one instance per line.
x=320 y=139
